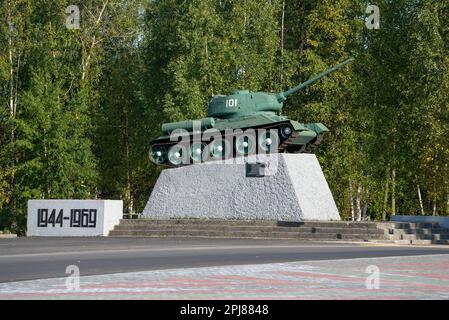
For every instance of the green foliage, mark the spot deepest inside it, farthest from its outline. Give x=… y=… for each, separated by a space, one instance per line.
x=207 y=48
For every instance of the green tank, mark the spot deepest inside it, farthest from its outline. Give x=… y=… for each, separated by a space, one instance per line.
x=238 y=124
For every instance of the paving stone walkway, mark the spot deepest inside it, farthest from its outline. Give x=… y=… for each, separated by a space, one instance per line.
x=415 y=277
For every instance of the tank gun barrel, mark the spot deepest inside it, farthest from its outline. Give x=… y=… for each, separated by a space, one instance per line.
x=281 y=97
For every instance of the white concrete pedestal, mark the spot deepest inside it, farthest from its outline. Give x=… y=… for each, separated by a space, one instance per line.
x=292 y=189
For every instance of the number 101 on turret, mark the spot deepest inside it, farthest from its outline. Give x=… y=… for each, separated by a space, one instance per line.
x=231 y=103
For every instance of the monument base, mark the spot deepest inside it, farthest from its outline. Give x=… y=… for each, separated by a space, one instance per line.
x=283 y=187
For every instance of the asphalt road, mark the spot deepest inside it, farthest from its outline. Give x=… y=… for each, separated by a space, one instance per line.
x=38 y=258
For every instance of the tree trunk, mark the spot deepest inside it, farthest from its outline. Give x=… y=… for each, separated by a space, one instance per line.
x=447 y=203
x=302 y=40
x=208 y=69
x=434 y=202
x=128 y=193
x=13 y=86
x=282 y=42
x=447 y=191
x=365 y=204
x=420 y=200
x=384 y=211
x=393 y=192
x=85 y=62
x=351 y=201
x=357 y=202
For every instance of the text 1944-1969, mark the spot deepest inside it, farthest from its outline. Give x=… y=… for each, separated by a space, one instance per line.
x=77 y=218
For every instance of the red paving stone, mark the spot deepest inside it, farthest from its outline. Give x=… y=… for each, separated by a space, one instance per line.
x=400 y=278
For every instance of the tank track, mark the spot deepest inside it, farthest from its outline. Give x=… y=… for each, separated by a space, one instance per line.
x=283 y=145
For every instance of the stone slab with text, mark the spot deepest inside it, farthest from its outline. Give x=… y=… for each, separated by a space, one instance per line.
x=77 y=218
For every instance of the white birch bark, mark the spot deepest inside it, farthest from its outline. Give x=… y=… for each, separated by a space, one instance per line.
x=357 y=202
x=85 y=61
x=351 y=200
x=420 y=199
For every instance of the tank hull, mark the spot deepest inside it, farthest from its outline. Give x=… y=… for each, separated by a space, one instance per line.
x=204 y=140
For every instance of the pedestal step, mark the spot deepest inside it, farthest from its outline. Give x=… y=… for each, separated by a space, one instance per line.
x=252 y=229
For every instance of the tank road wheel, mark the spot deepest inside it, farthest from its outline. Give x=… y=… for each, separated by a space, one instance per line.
x=268 y=141
x=286 y=131
x=196 y=151
x=219 y=149
x=158 y=154
x=245 y=144
x=176 y=155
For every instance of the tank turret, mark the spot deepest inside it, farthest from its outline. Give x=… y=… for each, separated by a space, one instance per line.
x=244 y=102
x=240 y=111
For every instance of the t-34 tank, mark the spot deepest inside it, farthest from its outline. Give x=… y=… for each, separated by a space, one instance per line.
x=238 y=124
